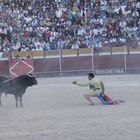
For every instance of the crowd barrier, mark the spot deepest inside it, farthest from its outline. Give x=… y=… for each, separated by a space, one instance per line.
x=117 y=60
x=77 y=52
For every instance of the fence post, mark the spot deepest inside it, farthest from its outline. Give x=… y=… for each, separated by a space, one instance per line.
x=92 y=59
x=60 y=62
x=77 y=52
x=111 y=49
x=125 y=60
x=44 y=53
x=128 y=49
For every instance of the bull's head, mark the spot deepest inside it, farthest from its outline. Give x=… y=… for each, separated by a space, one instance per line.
x=32 y=79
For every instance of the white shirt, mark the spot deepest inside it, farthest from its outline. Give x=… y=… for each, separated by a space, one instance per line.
x=75 y=46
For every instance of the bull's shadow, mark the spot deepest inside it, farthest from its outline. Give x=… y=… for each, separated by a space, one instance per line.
x=16 y=86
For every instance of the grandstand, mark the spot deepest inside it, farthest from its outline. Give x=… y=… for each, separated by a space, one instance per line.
x=53 y=25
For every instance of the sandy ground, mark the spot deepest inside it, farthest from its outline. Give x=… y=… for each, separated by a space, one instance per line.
x=56 y=110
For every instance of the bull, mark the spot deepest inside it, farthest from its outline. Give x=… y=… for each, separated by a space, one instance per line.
x=16 y=86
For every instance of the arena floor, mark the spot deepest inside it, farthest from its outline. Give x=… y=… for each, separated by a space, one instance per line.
x=56 y=110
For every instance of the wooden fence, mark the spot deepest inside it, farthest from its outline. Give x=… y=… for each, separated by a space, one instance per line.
x=76 y=52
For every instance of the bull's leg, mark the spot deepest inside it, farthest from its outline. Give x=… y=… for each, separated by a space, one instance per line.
x=20 y=99
x=16 y=98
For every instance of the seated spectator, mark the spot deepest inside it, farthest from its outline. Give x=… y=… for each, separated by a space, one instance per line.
x=47 y=46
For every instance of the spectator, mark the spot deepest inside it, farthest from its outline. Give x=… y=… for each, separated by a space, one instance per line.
x=60 y=44
x=47 y=46
x=59 y=21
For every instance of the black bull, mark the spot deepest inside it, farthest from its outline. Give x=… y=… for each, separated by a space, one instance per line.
x=16 y=86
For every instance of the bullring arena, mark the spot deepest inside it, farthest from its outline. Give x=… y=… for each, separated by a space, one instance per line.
x=56 y=110
x=60 y=41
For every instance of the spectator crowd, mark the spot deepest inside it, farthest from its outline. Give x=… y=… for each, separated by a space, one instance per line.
x=68 y=24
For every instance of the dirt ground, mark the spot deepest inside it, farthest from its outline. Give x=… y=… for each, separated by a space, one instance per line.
x=56 y=110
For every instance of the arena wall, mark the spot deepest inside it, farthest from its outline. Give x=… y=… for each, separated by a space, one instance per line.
x=105 y=64
x=4 y=67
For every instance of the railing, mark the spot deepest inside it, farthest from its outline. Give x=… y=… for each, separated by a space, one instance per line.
x=75 y=52
x=101 y=61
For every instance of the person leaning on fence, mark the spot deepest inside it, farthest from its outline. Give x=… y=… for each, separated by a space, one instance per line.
x=97 y=89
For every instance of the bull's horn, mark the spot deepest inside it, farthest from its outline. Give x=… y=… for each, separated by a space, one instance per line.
x=31 y=75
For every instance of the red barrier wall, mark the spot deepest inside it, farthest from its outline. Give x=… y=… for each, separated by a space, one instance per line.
x=81 y=63
x=109 y=62
x=20 y=66
x=133 y=61
x=46 y=65
x=4 y=67
x=76 y=63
